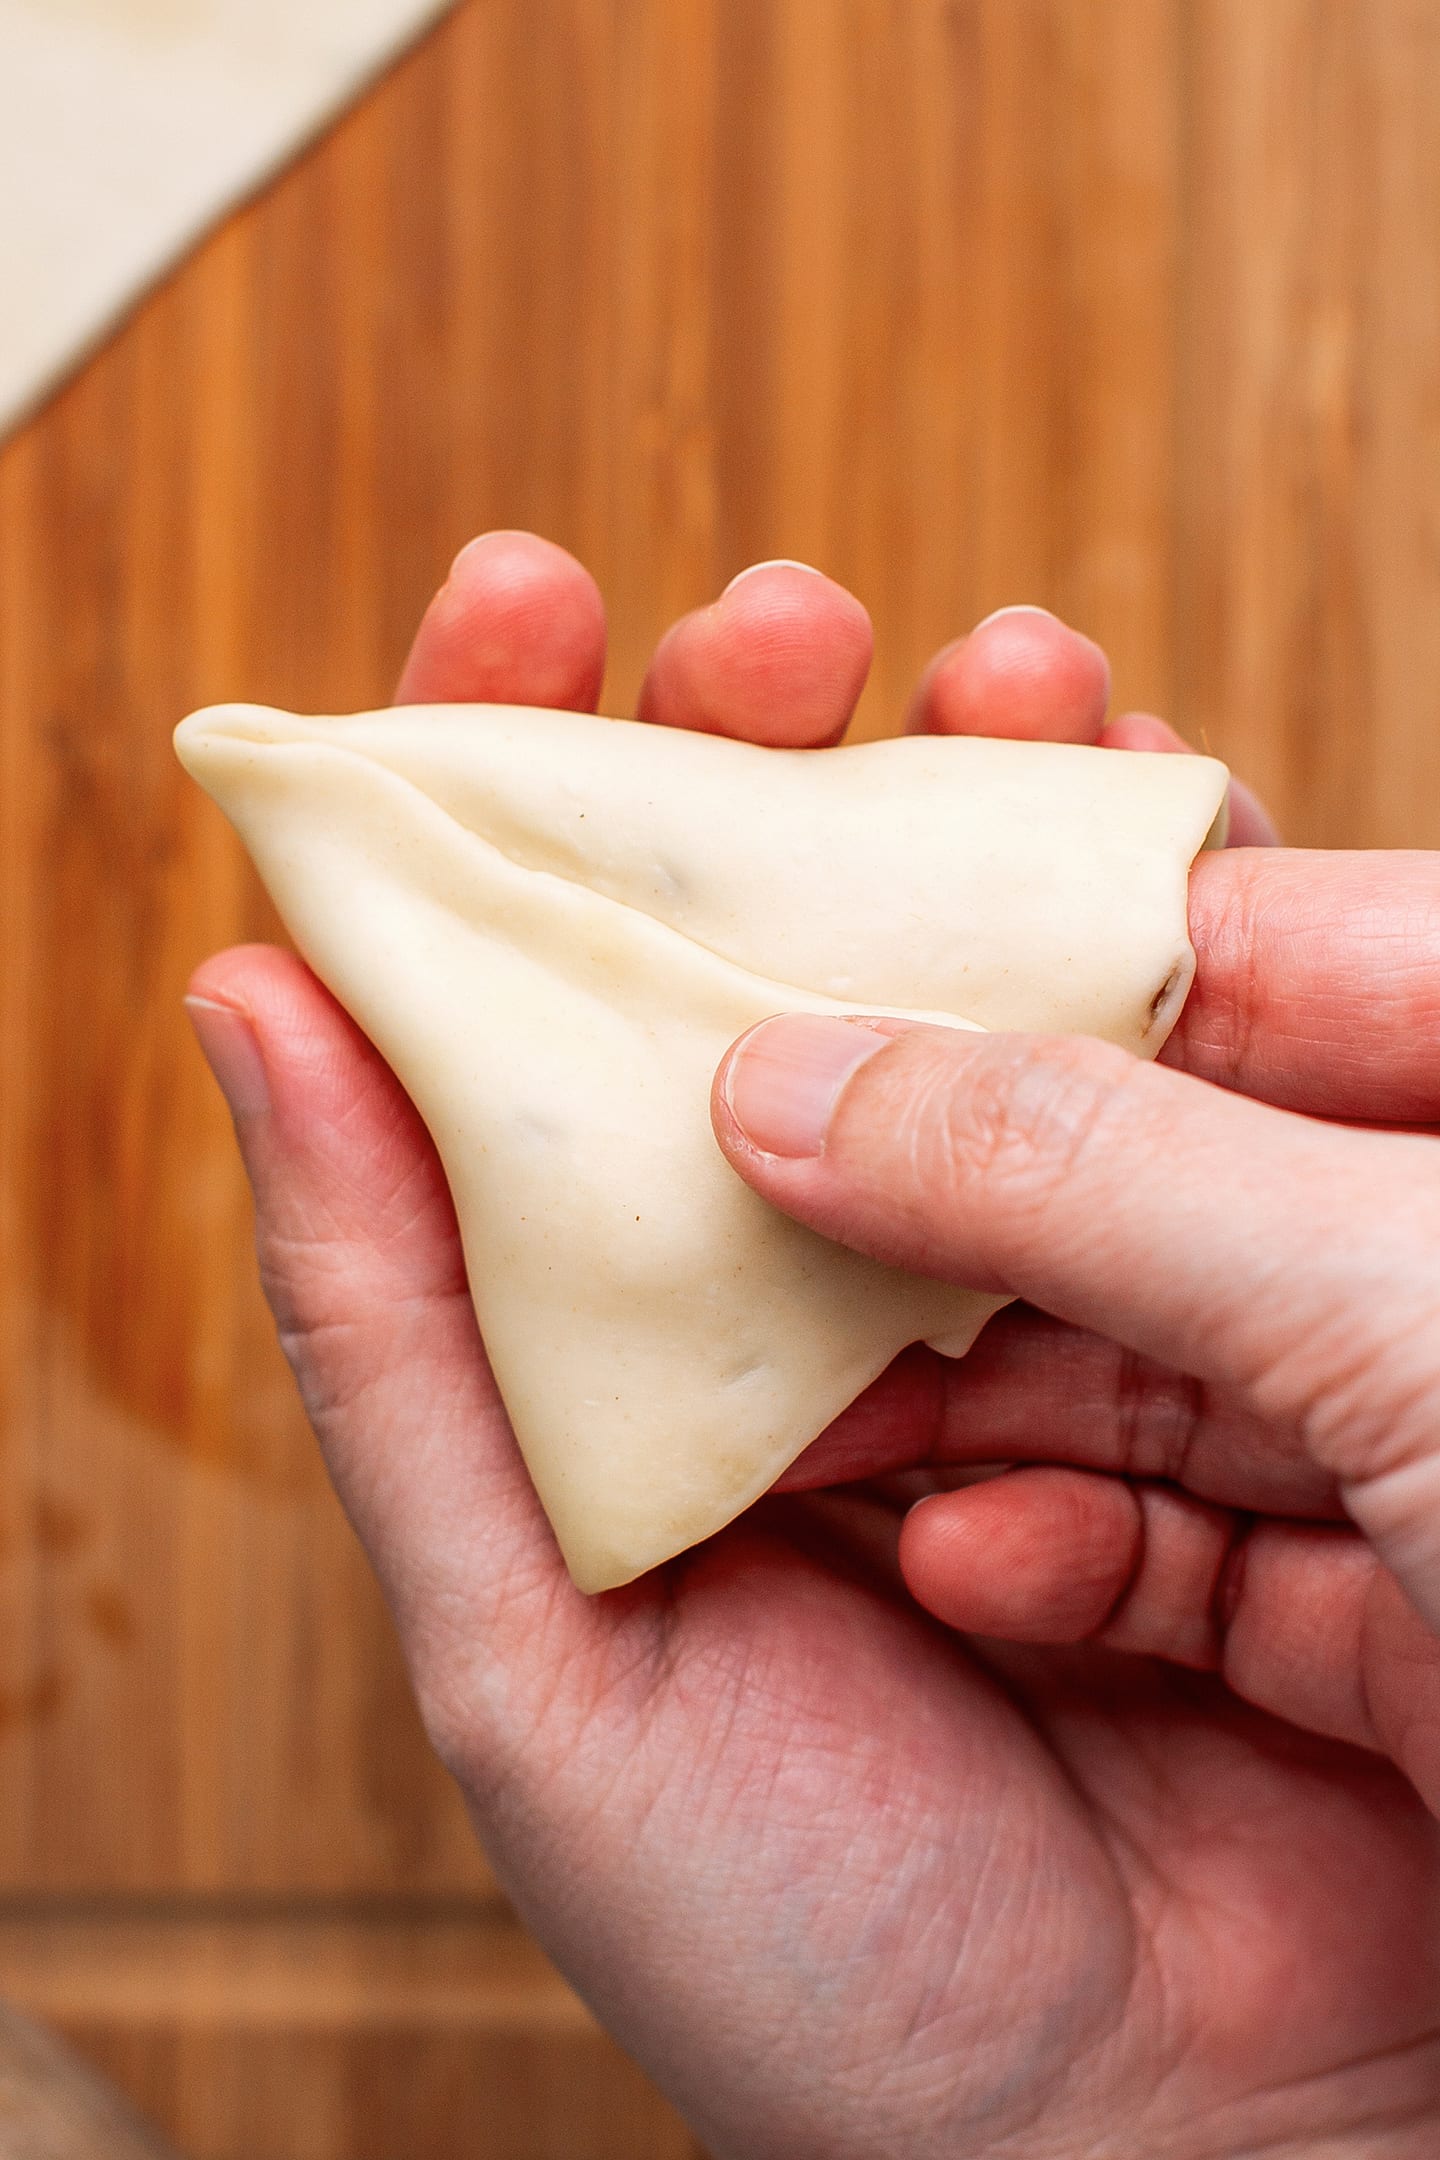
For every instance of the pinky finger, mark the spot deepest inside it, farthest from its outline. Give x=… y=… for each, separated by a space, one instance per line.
x=1301 y=1620
x=1055 y=1555
x=1251 y=824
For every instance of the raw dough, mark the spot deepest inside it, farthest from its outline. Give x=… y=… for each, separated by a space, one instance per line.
x=553 y=926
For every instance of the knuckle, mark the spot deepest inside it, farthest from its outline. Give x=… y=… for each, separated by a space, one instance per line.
x=1160 y=1416
x=305 y=1290
x=332 y=1330
x=303 y=1285
x=339 y=1295
x=1216 y=1029
x=449 y=1722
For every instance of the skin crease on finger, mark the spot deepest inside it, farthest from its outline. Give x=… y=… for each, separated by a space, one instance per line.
x=842 y=1887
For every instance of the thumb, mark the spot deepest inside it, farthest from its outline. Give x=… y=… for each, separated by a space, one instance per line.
x=362 y=1265
x=1294 y=1263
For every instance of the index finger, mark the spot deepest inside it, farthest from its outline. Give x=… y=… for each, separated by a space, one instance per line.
x=1317 y=982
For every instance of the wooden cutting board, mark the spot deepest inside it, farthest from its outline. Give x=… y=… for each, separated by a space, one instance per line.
x=1127 y=306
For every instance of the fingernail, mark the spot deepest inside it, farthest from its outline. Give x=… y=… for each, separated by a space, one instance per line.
x=465 y=553
x=1028 y=607
x=233 y=1055
x=785 y=1078
x=776 y=562
x=485 y=541
x=1018 y=607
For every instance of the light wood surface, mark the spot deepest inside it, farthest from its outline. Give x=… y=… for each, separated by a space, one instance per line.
x=1131 y=307
x=358 y=2032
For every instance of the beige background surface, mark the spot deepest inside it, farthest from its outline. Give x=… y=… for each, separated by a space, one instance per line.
x=126 y=126
x=1129 y=306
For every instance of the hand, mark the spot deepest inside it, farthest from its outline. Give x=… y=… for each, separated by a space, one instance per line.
x=845 y=1884
x=1252 y=1299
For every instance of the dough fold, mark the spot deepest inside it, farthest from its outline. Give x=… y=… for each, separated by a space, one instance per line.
x=552 y=927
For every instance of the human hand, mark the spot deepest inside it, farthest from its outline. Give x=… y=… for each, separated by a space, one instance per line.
x=845 y=1883
x=1259 y=1295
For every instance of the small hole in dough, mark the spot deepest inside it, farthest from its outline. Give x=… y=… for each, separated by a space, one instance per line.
x=1171 y=995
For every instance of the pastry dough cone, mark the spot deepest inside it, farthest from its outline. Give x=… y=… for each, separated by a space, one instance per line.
x=553 y=926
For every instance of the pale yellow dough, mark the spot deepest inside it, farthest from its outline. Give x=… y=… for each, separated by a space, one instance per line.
x=553 y=926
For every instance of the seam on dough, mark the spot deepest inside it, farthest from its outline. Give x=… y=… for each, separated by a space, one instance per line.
x=790 y=993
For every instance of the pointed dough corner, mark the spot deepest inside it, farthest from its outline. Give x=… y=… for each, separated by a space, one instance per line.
x=553 y=926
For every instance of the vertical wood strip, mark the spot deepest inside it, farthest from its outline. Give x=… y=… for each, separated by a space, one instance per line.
x=1309 y=634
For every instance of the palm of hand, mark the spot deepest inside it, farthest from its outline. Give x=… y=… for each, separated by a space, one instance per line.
x=846 y=1882
x=945 y=1899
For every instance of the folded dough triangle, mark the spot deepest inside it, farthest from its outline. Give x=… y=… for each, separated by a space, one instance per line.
x=552 y=926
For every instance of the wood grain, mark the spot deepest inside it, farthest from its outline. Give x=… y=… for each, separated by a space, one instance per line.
x=331 y=2033
x=1307 y=634
x=1130 y=307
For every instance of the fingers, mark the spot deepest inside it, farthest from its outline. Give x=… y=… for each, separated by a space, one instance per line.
x=517 y=622
x=1300 y=1621
x=362 y=1265
x=1034 y=1390
x=1287 y=1262
x=1317 y=982
x=1318 y=978
x=1143 y=731
x=1315 y=972
x=1022 y=674
x=781 y=658
x=1056 y=1556
x=777 y=659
